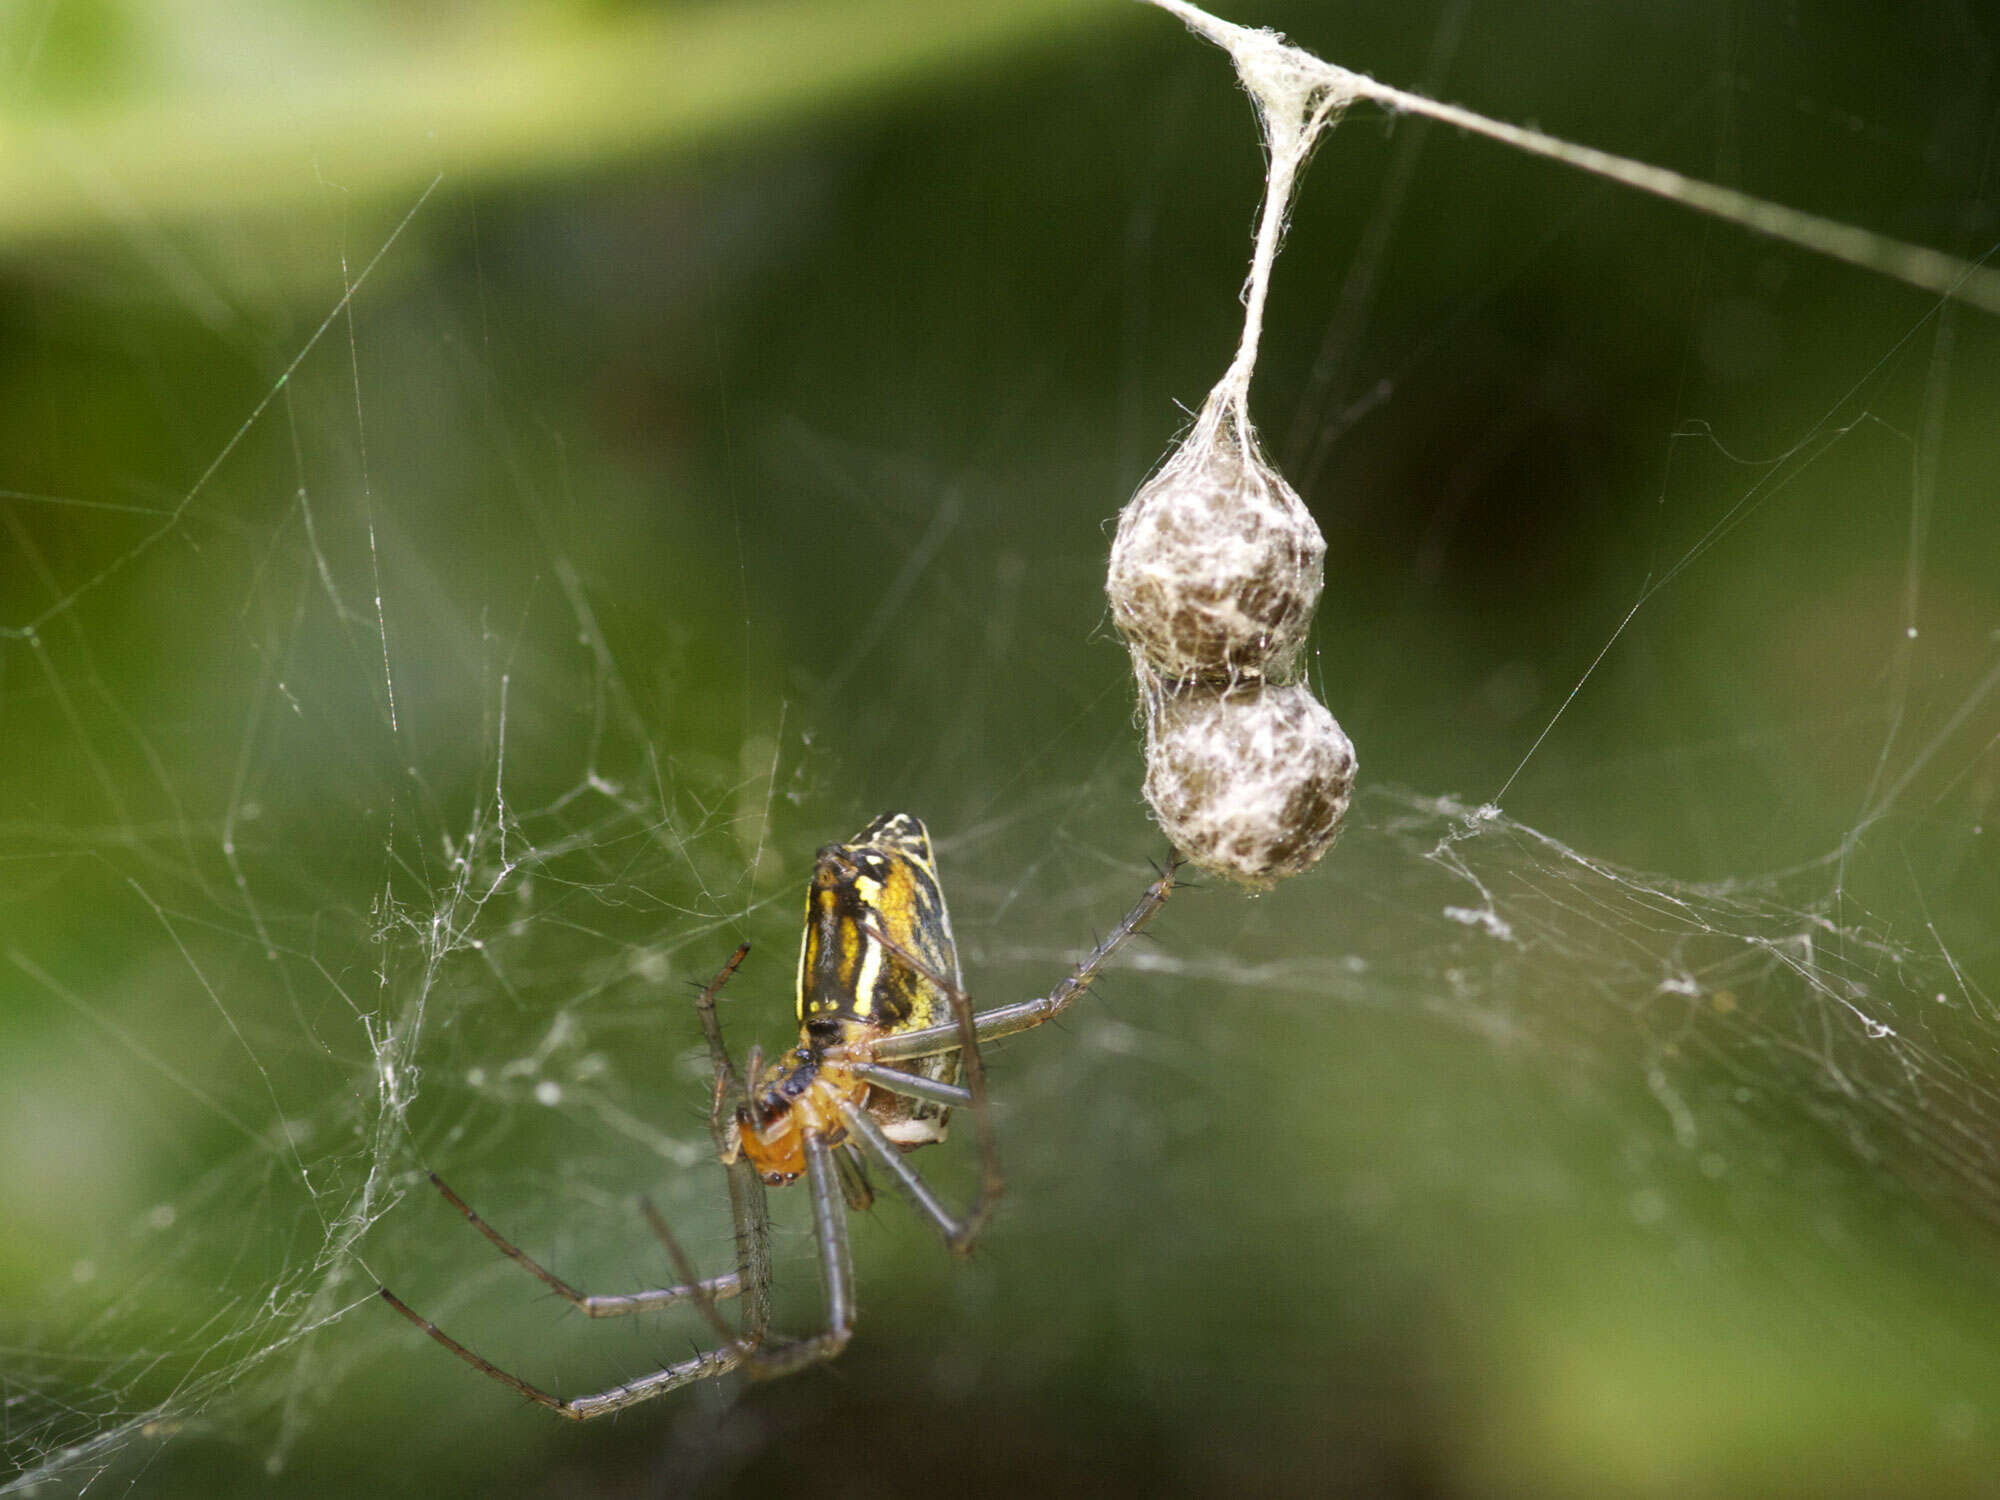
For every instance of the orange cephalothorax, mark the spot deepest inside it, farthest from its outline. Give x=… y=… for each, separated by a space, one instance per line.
x=800 y=1092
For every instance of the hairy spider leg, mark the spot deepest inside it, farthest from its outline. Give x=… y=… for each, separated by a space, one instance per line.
x=617 y=1304
x=702 y=1366
x=750 y=1280
x=854 y=1184
x=967 y=1031
x=1005 y=1020
x=836 y=1268
x=748 y=1210
x=960 y=1233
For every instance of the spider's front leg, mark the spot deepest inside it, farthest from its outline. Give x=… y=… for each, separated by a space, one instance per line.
x=829 y=1210
x=1005 y=1020
x=966 y=1031
x=747 y=1209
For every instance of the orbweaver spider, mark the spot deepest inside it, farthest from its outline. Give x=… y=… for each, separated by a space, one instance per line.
x=884 y=1029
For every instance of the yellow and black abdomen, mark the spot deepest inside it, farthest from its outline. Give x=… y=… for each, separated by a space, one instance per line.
x=878 y=958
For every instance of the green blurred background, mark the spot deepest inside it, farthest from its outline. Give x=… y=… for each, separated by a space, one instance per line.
x=486 y=490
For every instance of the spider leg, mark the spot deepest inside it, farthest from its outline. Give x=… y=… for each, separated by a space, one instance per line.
x=747 y=1208
x=729 y=1087
x=581 y=1408
x=704 y=1293
x=752 y=1218
x=914 y=1085
x=753 y=1069
x=614 y=1306
x=959 y=1234
x=751 y=1280
x=1005 y=1020
x=700 y=1295
x=964 y=1035
x=854 y=1184
x=836 y=1270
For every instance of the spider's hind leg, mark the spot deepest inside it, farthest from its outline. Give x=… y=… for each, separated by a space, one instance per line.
x=704 y=1293
x=701 y=1366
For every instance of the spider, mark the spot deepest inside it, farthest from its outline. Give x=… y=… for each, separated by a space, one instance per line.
x=884 y=1029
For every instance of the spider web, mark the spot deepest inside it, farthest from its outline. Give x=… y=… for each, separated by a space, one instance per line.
x=441 y=620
